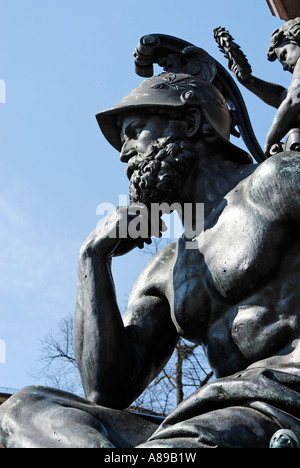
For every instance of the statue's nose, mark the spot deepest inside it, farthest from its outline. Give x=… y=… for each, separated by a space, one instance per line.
x=127 y=151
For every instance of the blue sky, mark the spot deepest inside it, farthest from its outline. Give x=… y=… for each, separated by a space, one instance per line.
x=62 y=62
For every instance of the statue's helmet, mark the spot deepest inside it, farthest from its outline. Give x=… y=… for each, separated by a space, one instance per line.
x=175 y=91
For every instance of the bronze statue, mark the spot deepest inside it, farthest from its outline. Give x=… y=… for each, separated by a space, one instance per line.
x=236 y=294
x=285 y=47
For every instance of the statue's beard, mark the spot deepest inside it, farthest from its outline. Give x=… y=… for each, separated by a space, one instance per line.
x=158 y=176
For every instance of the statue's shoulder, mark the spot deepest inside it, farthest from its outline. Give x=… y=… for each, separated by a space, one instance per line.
x=275 y=181
x=162 y=257
x=154 y=278
x=282 y=168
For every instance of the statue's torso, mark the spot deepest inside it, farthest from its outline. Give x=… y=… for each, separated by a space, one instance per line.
x=238 y=293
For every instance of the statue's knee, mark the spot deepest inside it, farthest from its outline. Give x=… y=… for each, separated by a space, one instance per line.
x=24 y=398
x=28 y=393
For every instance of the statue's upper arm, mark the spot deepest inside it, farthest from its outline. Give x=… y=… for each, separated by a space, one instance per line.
x=148 y=319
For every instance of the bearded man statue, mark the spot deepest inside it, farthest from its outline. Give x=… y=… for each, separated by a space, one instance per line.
x=236 y=294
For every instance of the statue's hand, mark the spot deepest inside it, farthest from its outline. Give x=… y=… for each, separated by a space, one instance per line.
x=240 y=70
x=271 y=149
x=267 y=148
x=124 y=229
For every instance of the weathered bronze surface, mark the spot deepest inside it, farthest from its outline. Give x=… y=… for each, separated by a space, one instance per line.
x=285 y=47
x=235 y=292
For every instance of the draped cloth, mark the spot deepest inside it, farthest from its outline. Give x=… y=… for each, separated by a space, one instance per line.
x=240 y=411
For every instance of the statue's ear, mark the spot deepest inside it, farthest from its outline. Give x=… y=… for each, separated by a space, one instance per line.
x=193 y=121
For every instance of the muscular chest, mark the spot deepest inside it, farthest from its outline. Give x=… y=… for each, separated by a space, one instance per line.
x=237 y=252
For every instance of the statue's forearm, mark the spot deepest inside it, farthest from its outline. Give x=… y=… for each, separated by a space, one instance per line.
x=101 y=348
x=272 y=94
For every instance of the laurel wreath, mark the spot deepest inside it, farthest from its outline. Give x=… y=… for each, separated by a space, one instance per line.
x=237 y=60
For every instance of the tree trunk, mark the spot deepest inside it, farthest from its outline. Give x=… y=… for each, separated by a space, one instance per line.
x=179 y=383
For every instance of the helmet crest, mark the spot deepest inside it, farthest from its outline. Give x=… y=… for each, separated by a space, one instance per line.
x=191 y=78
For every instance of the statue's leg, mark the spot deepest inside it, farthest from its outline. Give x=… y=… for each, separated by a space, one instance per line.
x=244 y=410
x=235 y=427
x=40 y=417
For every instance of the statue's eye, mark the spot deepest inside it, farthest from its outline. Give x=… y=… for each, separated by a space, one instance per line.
x=283 y=55
x=131 y=131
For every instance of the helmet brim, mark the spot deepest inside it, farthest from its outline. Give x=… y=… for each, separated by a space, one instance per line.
x=170 y=91
x=110 y=123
